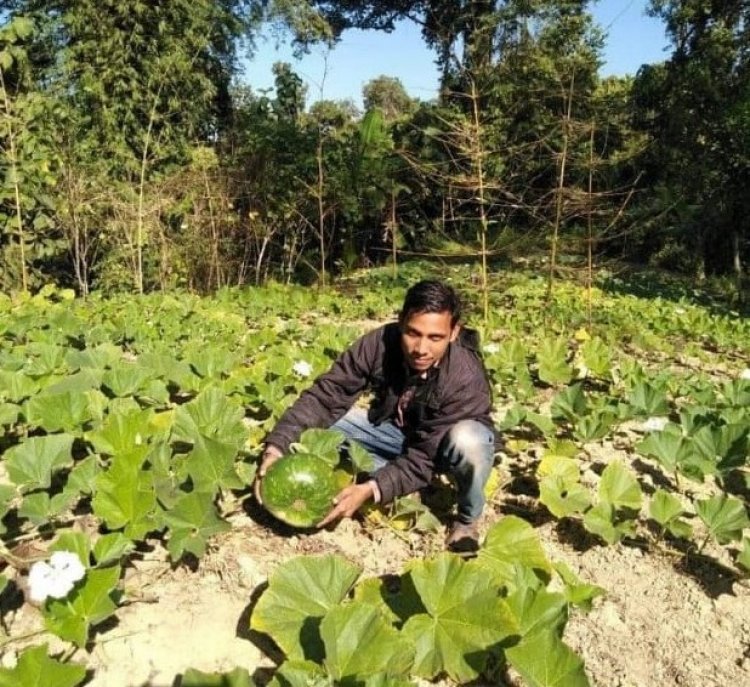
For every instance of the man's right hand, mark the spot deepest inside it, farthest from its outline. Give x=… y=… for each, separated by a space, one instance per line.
x=270 y=455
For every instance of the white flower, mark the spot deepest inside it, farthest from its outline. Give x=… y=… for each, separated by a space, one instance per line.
x=745 y=374
x=680 y=311
x=68 y=564
x=56 y=578
x=655 y=424
x=491 y=348
x=302 y=368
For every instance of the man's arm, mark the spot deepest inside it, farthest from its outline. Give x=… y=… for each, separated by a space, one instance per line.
x=331 y=395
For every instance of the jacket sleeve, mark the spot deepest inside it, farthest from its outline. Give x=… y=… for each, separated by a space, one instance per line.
x=331 y=394
x=414 y=469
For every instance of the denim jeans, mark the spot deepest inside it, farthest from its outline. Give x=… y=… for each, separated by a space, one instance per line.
x=467 y=452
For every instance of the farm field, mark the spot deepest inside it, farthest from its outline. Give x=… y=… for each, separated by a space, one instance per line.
x=617 y=542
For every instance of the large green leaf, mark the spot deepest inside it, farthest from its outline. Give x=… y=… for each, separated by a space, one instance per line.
x=67 y=411
x=619 y=487
x=192 y=522
x=77 y=383
x=465 y=618
x=743 y=558
x=300 y=592
x=594 y=426
x=125 y=496
x=82 y=477
x=36 y=669
x=121 y=432
x=563 y=497
x=210 y=414
x=40 y=508
x=110 y=548
x=359 y=641
x=300 y=674
x=666 y=509
x=396 y=597
x=536 y=609
x=509 y=542
x=552 y=357
x=543 y=660
x=16 y=386
x=211 y=465
x=597 y=357
x=88 y=605
x=604 y=521
x=725 y=517
x=9 y=413
x=569 y=404
x=125 y=379
x=668 y=446
x=725 y=445
x=32 y=463
x=648 y=399
x=323 y=443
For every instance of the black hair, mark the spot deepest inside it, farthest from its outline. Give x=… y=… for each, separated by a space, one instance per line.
x=431 y=295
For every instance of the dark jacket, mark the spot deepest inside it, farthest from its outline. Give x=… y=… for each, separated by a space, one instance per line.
x=457 y=389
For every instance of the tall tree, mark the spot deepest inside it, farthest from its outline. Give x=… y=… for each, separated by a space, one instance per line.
x=696 y=108
x=388 y=94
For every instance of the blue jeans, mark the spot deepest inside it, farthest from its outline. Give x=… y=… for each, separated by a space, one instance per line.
x=467 y=452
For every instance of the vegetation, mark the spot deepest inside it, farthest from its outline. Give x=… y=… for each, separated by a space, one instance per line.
x=160 y=219
x=145 y=414
x=134 y=158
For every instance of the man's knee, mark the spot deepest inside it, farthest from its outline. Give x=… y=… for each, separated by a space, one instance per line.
x=470 y=440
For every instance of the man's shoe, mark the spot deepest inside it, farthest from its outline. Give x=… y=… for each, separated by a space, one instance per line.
x=463 y=538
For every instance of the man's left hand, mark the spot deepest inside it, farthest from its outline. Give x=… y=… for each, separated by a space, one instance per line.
x=348 y=502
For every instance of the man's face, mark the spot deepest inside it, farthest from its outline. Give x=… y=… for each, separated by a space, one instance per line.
x=425 y=337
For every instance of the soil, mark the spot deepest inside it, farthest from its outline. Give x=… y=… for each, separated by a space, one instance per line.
x=665 y=620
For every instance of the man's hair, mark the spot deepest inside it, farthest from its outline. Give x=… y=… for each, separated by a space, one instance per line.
x=431 y=296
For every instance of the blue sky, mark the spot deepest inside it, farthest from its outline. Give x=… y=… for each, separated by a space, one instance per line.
x=633 y=39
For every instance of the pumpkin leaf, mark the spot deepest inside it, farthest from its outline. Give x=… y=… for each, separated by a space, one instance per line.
x=192 y=520
x=509 y=542
x=300 y=593
x=32 y=463
x=465 y=617
x=36 y=669
x=345 y=630
x=66 y=412
x=543 y=660
x=724 y=516
x=619 y=487
x=86 y=606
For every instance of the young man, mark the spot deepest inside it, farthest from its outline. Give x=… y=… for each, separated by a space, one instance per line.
x=430 y=410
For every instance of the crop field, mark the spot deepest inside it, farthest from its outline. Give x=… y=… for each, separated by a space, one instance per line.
x=616 y=541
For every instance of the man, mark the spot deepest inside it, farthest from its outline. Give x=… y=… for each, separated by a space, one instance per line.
x=430 y=410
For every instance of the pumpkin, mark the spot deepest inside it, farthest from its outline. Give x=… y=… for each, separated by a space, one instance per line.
x=298 y=489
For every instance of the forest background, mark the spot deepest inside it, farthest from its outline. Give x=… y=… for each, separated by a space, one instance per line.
x=134 y=158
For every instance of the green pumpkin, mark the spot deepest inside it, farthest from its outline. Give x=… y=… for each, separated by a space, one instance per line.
x=298 y=489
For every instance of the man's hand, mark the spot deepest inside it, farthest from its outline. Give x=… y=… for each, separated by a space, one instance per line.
x=270 y=455
x=348 y=502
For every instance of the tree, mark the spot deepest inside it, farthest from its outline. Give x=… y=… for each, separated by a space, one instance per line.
x=137 y=83
x=387 y=93
x=695 y=108
x=28 y=163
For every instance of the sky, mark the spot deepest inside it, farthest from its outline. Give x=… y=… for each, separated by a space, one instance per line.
x=633 y=39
